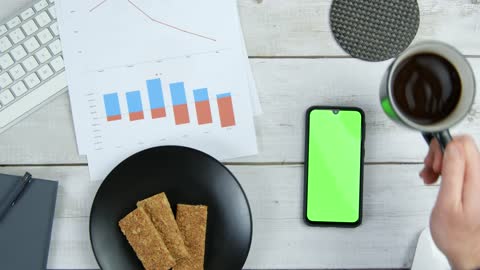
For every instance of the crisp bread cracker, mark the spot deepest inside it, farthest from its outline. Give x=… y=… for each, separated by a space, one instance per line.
x=146 y=241
x=159 y=210
x=192 y=222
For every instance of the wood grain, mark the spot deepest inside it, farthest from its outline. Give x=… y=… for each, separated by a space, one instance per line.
x=396 y=209
x=295 y=40
x=287 y=87
x=301 y=27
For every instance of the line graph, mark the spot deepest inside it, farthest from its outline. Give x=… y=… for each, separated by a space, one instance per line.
x=168 y=25
x=97 y=5
x=156 y=21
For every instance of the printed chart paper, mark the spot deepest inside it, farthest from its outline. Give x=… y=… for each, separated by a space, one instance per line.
x=144 y=73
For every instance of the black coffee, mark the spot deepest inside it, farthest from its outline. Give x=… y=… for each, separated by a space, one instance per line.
x=426 y=88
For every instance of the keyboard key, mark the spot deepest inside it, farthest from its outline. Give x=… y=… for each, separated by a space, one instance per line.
x=54 y=28
x=6 y=97
x=29 y=27
x=45 y=36
x=17 y=35
x=31 y=44
x=19 y=89
x=3 y=29
x=5 y=80
x=18 y=53
x=17 y=72
x=30 y=63
x=57 y=63
x=55 y=47
x=27 y=14
x=43 y=19
x=5 y=44
x=32 y=99
x=40 y=5
x=32 y=80
x=45 y=72
x=43 y=55
x=6 y=61
x=13 y=22
x=53 y=12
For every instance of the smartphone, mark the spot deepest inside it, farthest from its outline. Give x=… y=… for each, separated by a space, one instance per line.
x=334 y=166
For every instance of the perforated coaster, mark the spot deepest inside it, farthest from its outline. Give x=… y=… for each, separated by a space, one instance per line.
x=374 y=30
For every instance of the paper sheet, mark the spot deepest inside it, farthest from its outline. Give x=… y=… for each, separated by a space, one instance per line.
x=98 y=18
x=115 y=47
x=113 y=141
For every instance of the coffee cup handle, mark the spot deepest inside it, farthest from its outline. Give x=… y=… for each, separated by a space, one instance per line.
x=443 y=137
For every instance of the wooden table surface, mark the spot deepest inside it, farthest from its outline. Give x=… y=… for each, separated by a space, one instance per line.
x=296 y=64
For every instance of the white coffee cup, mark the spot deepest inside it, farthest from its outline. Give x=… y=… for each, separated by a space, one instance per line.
x=439 y=129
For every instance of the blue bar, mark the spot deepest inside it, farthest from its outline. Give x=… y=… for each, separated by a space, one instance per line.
x=155 y=94
x=224 y=95
x=112 y=105
x=134 y=102
x=200 y=94
x=177 y=91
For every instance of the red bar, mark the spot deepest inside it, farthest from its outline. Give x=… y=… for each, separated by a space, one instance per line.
x=204 y=114
x=225 y=109
x=114 y=117
x=181 y=114
x=136 y=116
x=158 y=113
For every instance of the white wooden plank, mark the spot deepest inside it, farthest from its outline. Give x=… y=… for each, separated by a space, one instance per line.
x=287 y=87
x=70 y=245
x=46 y=136
x=301 y=27
x=396 y=209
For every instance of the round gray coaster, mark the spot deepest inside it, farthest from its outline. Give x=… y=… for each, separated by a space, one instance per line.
x=374 y=30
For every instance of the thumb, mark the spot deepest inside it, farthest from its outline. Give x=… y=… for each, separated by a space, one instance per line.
x=453 y=171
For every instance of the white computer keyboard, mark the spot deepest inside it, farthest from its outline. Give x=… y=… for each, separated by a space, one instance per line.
x=31 y=62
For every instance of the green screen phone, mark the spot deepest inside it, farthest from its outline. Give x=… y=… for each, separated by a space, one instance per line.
x=334 y=166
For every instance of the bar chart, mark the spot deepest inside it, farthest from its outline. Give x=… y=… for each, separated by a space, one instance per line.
x=135 y=107
x=157 y=104
x=179 y=101
x=112 y=107
x=202 y=106
x=225 y=109
x=155 y=95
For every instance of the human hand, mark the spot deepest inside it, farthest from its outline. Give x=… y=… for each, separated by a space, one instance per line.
x=455 y=219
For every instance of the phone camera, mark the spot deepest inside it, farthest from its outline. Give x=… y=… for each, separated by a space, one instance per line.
x=335 y=111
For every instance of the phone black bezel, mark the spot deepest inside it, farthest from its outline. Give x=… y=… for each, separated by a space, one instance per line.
x=362 y=154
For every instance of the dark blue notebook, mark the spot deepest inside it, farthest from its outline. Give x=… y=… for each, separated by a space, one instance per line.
x=25 y=230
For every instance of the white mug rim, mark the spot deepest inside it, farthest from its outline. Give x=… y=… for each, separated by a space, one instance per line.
x=466 y=76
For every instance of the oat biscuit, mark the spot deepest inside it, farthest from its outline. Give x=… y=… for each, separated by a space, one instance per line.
x=159 y=210
x=146 y=241
x=192 y=222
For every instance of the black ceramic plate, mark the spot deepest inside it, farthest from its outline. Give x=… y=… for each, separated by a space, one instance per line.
x=187 y=176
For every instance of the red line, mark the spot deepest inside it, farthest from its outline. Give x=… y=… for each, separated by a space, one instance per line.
x=168 y=25
x=99 y=4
